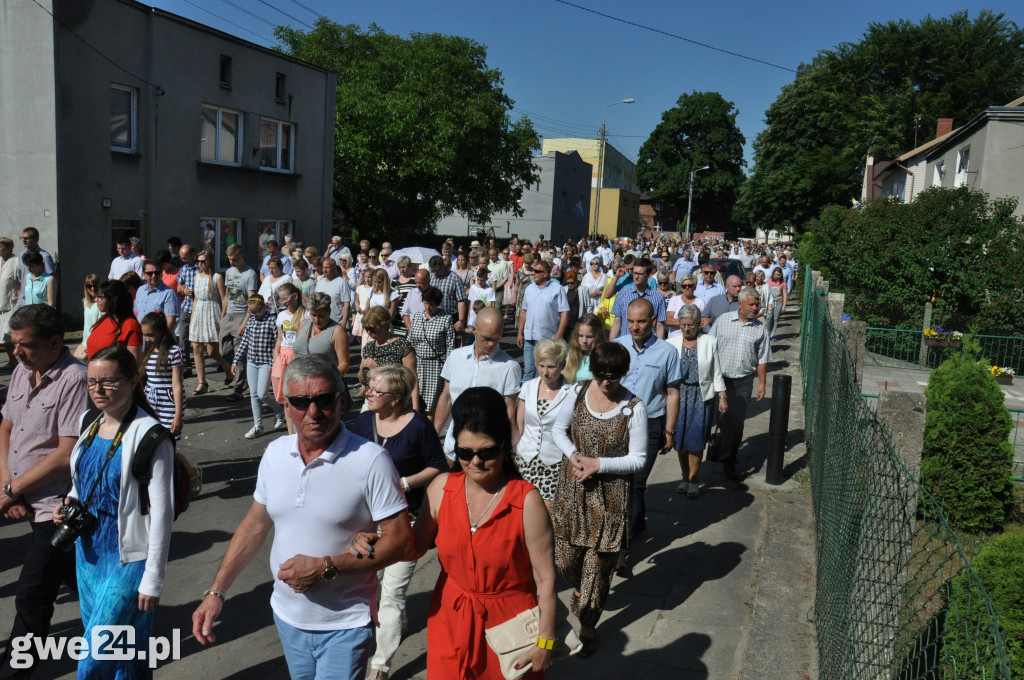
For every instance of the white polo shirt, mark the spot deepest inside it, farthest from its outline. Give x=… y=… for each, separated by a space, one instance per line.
x=462 y=370
x=317 y=509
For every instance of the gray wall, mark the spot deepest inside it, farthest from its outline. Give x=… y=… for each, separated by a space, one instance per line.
x=164 y=185
x=544 y=210
x=28 y=144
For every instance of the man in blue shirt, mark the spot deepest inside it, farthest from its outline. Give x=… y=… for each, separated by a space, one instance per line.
x=186 y=282
x=640 y=288
x=155 y=296
x=545 y=314
x=274 y=250
x=708 y=288
x=654 y=376
x=683 y=266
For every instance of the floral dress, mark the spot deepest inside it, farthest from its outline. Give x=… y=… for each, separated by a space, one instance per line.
x=205 y=312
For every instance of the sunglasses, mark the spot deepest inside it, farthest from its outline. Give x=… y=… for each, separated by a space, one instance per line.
x=323 y=401
x=606 y=377
x=540 y=271
x=688 y=285
x=204 y=261
x=490 y=453
x=150 y=273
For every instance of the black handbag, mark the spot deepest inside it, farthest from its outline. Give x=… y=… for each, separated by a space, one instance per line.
x=714 y=453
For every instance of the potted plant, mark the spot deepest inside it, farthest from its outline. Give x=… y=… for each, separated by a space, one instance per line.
x=937 y=336
x=1002 y=374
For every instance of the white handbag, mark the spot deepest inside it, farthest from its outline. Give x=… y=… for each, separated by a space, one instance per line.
x=511 y=640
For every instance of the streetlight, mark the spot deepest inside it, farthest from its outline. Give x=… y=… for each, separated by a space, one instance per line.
x=689 y=204
x=600 y=164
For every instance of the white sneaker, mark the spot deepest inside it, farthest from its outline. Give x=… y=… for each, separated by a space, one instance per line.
x=254 y=433
x=279 y=422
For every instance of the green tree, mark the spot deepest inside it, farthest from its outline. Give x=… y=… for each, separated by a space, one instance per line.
x=872 y=97
x=699 y=130
x=422 y=130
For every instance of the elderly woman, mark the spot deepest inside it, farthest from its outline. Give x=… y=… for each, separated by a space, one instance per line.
x=383 y=348
x=702 y=379
x=602 y=431
x=411 y=441
x=432 y=337
x=538 y=458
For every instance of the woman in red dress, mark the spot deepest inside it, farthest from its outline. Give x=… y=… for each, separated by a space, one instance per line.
x=494 y=543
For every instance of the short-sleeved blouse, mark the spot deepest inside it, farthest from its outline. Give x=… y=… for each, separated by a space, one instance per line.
x=106 y=330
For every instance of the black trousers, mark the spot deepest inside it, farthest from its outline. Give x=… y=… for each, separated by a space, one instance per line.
x=737 y=395
x=44 y=571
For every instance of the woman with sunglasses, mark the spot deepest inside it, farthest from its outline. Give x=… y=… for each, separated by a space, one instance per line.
x=10 y=285
x=602 y=431
x=383 y=348
x=687 y=286
x=203 y=331
x=411 y=441
x=117 y=324
x=122 y=558
x=322 y=335
x=593 y=283
x=90 y=311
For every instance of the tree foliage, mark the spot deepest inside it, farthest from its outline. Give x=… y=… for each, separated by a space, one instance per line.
x=422 y=128
x=953 y=246
x=868 y=97
x=699 y=130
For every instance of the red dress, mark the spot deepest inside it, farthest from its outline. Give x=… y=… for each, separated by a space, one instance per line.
x=486 y=579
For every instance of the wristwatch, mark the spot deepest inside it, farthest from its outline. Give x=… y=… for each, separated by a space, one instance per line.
x=330 y=571
x=10 y=494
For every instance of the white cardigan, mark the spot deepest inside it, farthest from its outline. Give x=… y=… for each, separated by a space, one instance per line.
x=709 y=367
x=537 y=438
x=133 y=528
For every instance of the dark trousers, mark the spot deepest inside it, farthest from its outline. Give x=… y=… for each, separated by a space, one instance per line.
x=655 y=441
x=737 y=395
x=44 y=570
x=183 y=323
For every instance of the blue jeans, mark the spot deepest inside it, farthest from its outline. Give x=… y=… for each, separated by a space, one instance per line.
x=325 y=654
x=258 y=377
x=655 y=441
x=529 y=367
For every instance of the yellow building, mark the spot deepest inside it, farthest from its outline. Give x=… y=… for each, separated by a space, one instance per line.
x=620 y=198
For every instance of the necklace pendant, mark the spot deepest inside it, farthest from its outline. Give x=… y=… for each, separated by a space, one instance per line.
x=472 y=529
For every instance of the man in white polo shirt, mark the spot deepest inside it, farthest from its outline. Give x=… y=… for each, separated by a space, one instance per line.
x=483 y=364
x=318 y=489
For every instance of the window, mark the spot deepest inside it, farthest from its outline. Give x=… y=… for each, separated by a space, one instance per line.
x=937 y=174
x=225 y=71
x=122 y=118
x=279 y=87
x=963 y=161
x=216 y=234
x=221 y=136
x=276 y=141
x=271 y=229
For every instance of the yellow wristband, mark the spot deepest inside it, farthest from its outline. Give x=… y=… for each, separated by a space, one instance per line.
x=545 y=643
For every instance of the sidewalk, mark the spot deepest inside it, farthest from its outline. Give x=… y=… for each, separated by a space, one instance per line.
x=722 y=586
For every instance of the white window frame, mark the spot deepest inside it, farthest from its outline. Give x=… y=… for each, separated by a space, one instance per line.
x=291 y=145
x=963 y=166
x=217 y=142
x=267 y=229
x=218 y=244
x=133 y=123
x=937 y=174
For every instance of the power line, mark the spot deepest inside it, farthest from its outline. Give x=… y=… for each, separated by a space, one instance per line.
x=228 y=21
x=673 y=35
x=268 y=22
x=293 y=18
x=159 y=90
x=309 y=9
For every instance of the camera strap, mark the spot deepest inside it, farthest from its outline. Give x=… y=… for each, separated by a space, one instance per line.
x=87 y=442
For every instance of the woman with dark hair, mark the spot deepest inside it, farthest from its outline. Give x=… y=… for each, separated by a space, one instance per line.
x=132 y=282
x=432 y=337
x=117 y=324
x=602 y=431
x=39 y=286
x=493 y=536
x=121 y=559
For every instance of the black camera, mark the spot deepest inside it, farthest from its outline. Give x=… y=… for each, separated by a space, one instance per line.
x=77 y=522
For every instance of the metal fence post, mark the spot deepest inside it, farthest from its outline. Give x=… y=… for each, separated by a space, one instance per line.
x=778 y=425
x=923 y=354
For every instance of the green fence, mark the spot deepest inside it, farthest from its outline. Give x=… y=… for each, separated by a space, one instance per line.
x=901 y=348
x=895 y=597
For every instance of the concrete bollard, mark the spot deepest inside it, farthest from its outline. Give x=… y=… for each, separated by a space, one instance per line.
x=778 y=426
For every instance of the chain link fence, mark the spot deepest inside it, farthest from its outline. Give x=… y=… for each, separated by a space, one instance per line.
x=896 y=597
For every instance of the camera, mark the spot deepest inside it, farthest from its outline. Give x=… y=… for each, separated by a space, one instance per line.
x=77 y=522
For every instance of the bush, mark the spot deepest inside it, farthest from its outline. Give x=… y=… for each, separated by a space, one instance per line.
x=967 y=457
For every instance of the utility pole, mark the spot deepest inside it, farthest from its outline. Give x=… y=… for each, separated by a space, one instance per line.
x=600 y=165
x=689 y=204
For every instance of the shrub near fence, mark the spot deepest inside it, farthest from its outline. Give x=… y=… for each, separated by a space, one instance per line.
x=884 y=577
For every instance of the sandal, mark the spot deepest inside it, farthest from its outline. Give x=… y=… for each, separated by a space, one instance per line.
x=202 y=388
x=228 y=378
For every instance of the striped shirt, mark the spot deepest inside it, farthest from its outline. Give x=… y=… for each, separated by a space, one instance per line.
x=160 y=385
x=742 y=347
x=452 y=291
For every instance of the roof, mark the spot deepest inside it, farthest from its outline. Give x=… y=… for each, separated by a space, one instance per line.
x=939 y=140
x=1013 y=113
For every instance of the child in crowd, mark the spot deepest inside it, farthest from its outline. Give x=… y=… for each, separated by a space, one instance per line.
x=256 y=349
x=161 y=372
x=481 y=291
x=363 y=292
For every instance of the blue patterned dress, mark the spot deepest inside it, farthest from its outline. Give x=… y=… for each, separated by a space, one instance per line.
x=694 y=423
x=108 y=592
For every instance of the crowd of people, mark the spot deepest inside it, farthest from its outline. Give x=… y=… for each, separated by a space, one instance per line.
x=625 y=356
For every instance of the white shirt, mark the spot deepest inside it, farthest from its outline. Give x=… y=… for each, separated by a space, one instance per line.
x=462 y=370
x=675 y=304
x=637 y=452
x=122 y=265
x=537 y=439
x=316 y=510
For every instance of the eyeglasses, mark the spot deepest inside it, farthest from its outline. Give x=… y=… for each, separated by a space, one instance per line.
x=662 y=283
x=606 y=377
x=490 y=453
x=688 y=285
x=204 y=261
x=99 y=297
x=709 y=273
x=540 y=271
x=323 y=401
x=91 y=286
x=150 y=273
x=105 y=383
x=376 y=393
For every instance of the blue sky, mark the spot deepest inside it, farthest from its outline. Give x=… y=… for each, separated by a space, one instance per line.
x=563 y=65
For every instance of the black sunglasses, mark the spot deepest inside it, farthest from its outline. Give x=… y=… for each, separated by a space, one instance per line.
x=322 y=401
x=490 y=453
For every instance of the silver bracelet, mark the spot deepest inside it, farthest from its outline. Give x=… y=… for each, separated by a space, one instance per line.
x=219 y=594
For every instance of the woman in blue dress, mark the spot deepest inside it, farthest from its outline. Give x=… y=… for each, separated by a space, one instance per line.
x=702 y=378
x=122 y=558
